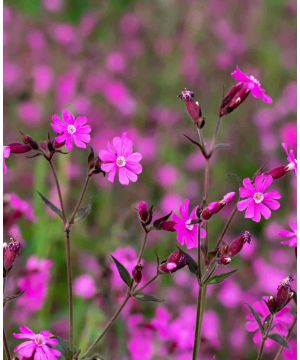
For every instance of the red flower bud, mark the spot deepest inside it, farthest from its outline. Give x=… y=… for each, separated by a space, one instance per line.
x=284 y=293
x=28 y=140
x=137 y=273
x=279 y=172
x=168 y=225
x=18 y=148
x=145 y=213
x=216 y=206
x=236 y=95
x=176 y=261
x=236 y=246
x=10 y=252
x=193 y=108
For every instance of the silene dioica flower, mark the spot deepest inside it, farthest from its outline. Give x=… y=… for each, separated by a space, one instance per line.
x=290 y=235
x=71 y=130
x=119 y=157
x=258 y=202
x=186 y=230
x=38 y=346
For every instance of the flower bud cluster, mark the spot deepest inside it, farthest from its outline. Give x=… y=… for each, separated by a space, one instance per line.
x=227 y=252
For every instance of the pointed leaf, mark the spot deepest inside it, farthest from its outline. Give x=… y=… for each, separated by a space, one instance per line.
x=83 y=212
x=191 y=263
x=147 y=297
x=280 y=340
x=219 y=278
x=256 y=317
x=124 y=274
x=51 y=206
x=157 y=222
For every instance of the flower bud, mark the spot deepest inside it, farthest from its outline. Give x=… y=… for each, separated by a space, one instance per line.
x=236 y=246
x=28 y=140
x=271 y=303
x=284 y=293
x=216 y=206
x=137 y=273
x=224 y=260
x=145 y=213
x=280 y=171
x=193 y=108
x=176 y=261
x=18 y=148
x=10 y=252
x=236 y=95
x=168 y=225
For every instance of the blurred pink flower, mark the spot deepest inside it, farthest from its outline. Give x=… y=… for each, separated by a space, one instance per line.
x=6 y=153
x=290 y=157
x=85 y=286
x=187 y=232
x=115 y=62
x=30 y=112
x=167 y=175
x=34 y=282
x=21 y=206
x=292 y=235
x=119 y=156
x=281 y=323
x=39 y=346
x=252 y=84
x=258 y=202
x=288 y=134
x=71 y=130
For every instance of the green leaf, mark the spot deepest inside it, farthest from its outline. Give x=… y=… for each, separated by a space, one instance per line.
x=125 y=276
x=219 y=278
x=146 y=297
x=83 y=212
x=280 y=340
x=51 y=206
x=256 y=317
x=191 y=263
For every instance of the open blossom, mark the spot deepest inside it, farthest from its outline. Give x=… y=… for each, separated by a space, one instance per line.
x=252 y=84
x=258 y=202
x=290 y=158
x=71 y=130
x=187 y=232
x=281 y=323
x=291 y=235
x=119 y=157
x=38 y=346
x=6 y=153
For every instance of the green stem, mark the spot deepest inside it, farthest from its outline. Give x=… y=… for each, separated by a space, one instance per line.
x=147 y=283
x=199 y=319
x=6 y=348
x=70 y=287
x=58 y=190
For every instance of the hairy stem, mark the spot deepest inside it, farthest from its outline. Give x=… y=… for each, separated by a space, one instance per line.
x=58 y=190
x=142 y=248
x=277 y=356
x=70 y=287
x=108 y=325
x=199 y=318
x=147 y=283
x=265 y=336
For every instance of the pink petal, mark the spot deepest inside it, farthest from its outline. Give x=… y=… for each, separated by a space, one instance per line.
x=272 y=195
x=80 y=121
x=123 y=179
x=239 y=75
x=265 y=211
x=184 y=209
x=267 y=99
x=78 y=142
x=107 y=156
x=134 y=157
x=262 y=182
x=26 y=330
x=127 y=147
x=134 y=167
x=111 y=174
x=251 y=326
x=117 y=143
x=26 y=349
x=248 y=184
x=107 y=167
x=257 y=338
x=86 y=129
x=272 y=204
x=250 y=210
x=245 y=192
x=82 y=137
x=257 y=91
x=243 y=204
x=60 y=138
x=131 y=175
x=69 y=144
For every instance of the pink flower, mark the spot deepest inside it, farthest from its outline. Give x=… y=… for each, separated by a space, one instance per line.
x=6 y=153
x=187 y=232
x=85 y=286
x=39 y=346
x=71 y=130
x=258 y=202
x=281 y=323
x=252 y=84
x=119 y=156
x=290 y=158
x=292 y=235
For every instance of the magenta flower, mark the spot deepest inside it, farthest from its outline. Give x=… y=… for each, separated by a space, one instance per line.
x=71 y=130
x=85 y=286
x=281 y=323
x=290 y=158
x=6 y=153
x=291 y=235
x=187 y=232
x=252 y=84
x=258 y=202
x=119 y=156
x=39 y=346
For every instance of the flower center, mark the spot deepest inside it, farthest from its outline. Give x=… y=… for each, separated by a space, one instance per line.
x=258 y=197
x=39 y=339
x=71 y=129
x=121 y=161
x=188 y=224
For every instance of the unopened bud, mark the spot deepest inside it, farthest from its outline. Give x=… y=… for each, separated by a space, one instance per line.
x=280 y=171
x=168 y=225
x=193 y=108
x=224 y=260
x=28 y=140
x=137 y=273
x=145 y=213
x=176 y=261
x=236 y=246
x=236 y=95
x=284 y=293
x=216 y=206
x=271 y=303
x=18 y=148
x=10 y=252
